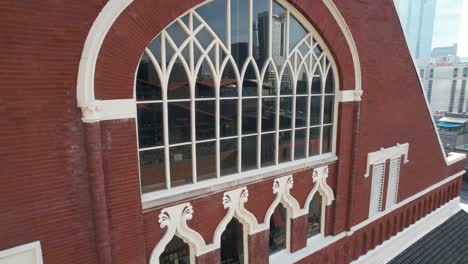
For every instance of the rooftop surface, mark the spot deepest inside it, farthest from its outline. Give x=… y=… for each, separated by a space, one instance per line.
x=447 y=243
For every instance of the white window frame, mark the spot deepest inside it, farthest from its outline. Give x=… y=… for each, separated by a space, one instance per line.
x=314 y=38
x=35 y=247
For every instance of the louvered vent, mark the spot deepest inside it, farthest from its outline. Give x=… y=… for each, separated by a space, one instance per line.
x=393 y=178
x=378 y=172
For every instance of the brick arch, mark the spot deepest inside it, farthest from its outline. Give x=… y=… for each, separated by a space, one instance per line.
x=124 y=28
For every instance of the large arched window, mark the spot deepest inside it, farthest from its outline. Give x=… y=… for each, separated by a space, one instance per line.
x=232 y=86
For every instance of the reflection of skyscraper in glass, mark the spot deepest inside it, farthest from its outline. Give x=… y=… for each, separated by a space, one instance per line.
x=417 y=17
x=278 y=41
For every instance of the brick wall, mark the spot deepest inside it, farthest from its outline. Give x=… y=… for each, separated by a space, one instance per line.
x=45 y=193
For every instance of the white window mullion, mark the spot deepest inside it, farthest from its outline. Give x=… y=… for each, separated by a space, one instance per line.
x=378 y=174
x=270 y=28
x=228 y=25
x=250 y=28
x=239 y=127
x=322 y=102
x=293 y=111
x=307 y=139
x=393 y=179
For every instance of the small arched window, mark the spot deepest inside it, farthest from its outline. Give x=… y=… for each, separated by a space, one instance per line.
x=314 y=218
x=177 y=251
x=232 y=86
x=232 y=246
x=278 y=222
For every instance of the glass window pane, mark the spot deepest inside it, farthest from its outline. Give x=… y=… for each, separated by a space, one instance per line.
x=284 y=146
x=278 y=35
x=179 y=122
x=206 y=160
x=269 y=81
x=239 y=31
x=268 y=149
x=286 y=82
x=228 y=85
x=152 y=170
x=228 y=118
x=301 y=111
x=316 y=85
x=204 y=87
x=155 y=48
x=328 y=109
x=285 y=115
x=314 y=141
x=315 y=105
x=148 y=86
x=213 y=13
x=205 y=119
x=278 y=229
x=249 y=153
x=327 y=139
x=314 y=216
x=249 y=116
x=181 y=165
x=296 y=32
x=300 y=142
x=178 y=86
x=301 y=85
x=228 y=156
x=268 y=114
x=249 y=84
x=150 y=125
x=176 y=33
x=330 y=83
x=260 y=20
x=177 y=251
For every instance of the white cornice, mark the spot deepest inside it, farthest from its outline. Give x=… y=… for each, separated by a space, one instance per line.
x=384 y=154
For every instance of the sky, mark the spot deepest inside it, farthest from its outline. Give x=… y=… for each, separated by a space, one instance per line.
x=451 y=25
x=463 y=39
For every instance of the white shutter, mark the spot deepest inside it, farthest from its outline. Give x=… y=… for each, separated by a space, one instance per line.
x=378 y=173
x=393 y=178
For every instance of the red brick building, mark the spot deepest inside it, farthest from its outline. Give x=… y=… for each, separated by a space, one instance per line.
x=224 y=131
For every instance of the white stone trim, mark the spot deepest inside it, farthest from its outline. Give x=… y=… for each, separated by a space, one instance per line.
x=391 y=248
x=100 y=110
x=351 y=44
x=105 y=20
x=382 y=155
x=154 y=199
x=7 y=255
x=349 y=96
x=452 y=156
x=318 y=242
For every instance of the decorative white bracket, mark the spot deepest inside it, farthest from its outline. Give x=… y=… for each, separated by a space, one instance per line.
x=384 y=154
x=175 y=220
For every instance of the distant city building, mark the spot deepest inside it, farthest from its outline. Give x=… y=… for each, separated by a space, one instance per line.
x=453 y=130
x=447 y=23
x=445 y=51
x=445 y=83
x=417 y=17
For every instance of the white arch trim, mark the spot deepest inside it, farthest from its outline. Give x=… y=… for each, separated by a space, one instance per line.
x=96 y=110
x=175 y=218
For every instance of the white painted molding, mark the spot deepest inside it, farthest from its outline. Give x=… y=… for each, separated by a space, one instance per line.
x=86 y=73
x=234 y=201
x=351 y=43
x=99 y=110
x=30 y=253
x=349 y=96
x=454 y=157
x=384 y=154
x=316 y=243
x=391 y=248
x=175 y=218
